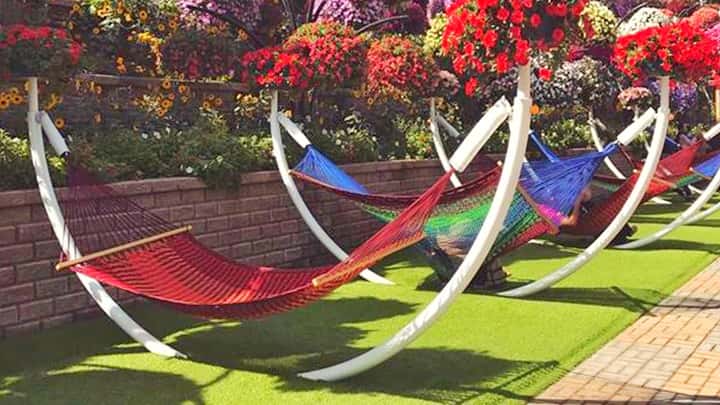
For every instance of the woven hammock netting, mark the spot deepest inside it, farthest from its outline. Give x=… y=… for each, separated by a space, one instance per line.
x=546 y=194
x=179 y=271
x=610 y=194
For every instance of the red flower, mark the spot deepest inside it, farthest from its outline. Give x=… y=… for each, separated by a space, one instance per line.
x=679 y=50
x=490 y=39
x=545 y=74
x=507 y=31
x=470 y=86
x=535 y=20
x=502 y=64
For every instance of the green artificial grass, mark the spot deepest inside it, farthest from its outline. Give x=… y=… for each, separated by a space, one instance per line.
x=485 y=350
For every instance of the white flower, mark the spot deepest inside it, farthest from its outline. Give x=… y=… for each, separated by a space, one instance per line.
x=144 y=135
x=189 y=170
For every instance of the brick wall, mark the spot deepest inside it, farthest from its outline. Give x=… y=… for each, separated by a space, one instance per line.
x=255 y=223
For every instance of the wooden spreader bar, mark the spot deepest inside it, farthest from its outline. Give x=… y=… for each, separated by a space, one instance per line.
x=121 y=248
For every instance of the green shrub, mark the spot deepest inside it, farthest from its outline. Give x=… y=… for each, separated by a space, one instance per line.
x=207 y=150
x=567 y=134
x=16 y=166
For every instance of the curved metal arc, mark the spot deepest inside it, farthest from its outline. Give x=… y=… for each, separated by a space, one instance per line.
x=299 y=202
x=702 y=215
x=54 y=213
x=682 y=219
x=688 y=216
x=472 y=262
x=633 y=201
x=439 y=145
x=600 y=145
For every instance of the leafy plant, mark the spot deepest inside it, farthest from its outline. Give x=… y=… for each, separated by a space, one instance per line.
x=17 y=168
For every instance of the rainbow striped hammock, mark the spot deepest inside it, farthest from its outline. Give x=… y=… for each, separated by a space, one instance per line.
x=545 y=195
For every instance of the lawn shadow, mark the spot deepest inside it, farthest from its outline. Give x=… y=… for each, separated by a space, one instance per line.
x=284 y=345
x=100 y=385
x=678 y=244
x=634 y=300
x=49 y=360
x=440 y=375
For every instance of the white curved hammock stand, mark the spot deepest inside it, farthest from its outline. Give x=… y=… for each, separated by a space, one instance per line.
x=37 y=122
x=495 y=116
x=519 y=129
x=627 y=210
x=689 y=213
x=297 y=199
x=599 y=145
x=436 y=120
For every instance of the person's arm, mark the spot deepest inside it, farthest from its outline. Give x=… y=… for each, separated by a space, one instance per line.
x=572 y=220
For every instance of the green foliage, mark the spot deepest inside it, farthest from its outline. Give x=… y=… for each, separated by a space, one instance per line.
x=207 y=150
x=418 y=138
x=433 y=37
x=350 y=142
x=567 y=134
x=16 y=167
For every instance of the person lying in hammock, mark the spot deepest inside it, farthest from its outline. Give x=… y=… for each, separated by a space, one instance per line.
x=582 y=205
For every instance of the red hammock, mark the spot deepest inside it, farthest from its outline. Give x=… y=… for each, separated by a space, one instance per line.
x=179 y=271
x=601 y=213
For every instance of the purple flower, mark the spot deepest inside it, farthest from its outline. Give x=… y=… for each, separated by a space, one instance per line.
x=351 y=12
x=245 y=11
x=435 y=7
x=684 y=96
x=623 y=7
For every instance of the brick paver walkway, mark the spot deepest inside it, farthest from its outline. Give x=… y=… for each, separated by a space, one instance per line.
x=671 y=354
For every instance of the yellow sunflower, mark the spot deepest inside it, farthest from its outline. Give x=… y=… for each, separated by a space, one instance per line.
x=206 y=105
x=218 y=102
x=166 y=104
x=182 y=89
x=17 y=99
x=161 y=27
x=59 y=123
x=143 y=15
x=4 y=104
x=14 y=91
x=166 y=84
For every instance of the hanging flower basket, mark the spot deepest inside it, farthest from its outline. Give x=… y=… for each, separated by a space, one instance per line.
x=494 y=36
x=37 y=51
x=680 y=51
x=399 y=70
x=318 y=55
